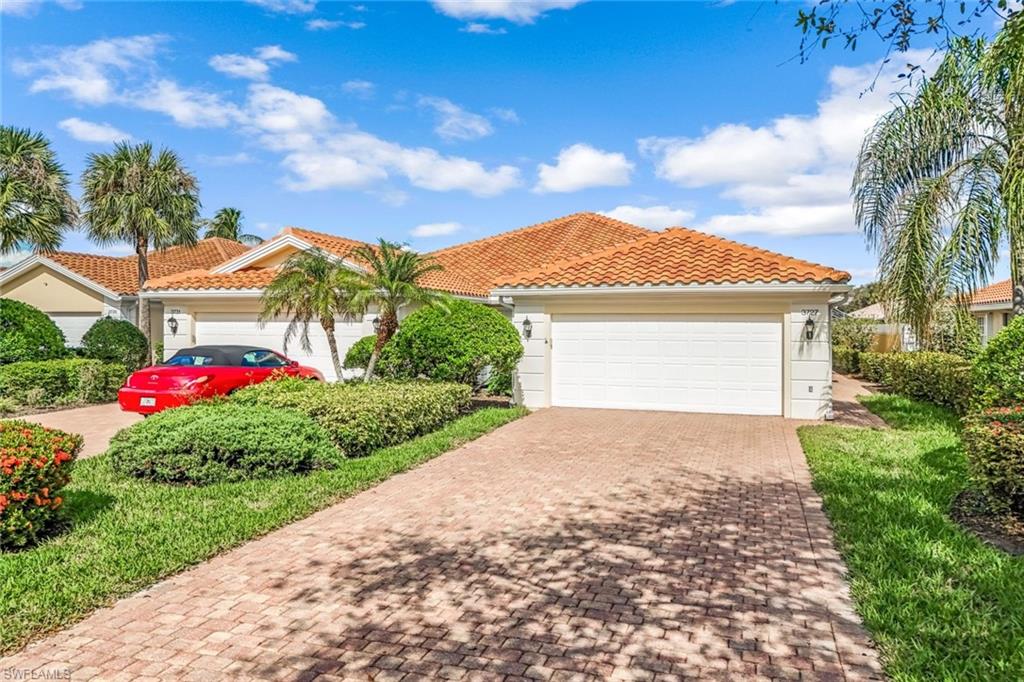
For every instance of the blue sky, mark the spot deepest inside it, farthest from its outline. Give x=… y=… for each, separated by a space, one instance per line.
x=435 y=123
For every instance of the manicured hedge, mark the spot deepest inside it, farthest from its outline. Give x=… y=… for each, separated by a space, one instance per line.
x=999 y=369
x=35 y=463
x=50 y=383
x=27 y=333
x=845 y=360
x=940 y=378
x=358 y=356
x=222 y=441
x=455 y=343
x=854 y=333
x=115 y=341
x=994 y=442
x=363 y=417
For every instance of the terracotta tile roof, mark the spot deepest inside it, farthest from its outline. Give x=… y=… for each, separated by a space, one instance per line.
x=474 y=268
x=257 y=278
x=676 y=256
x=999 y=292
x=332 y=243
x=121 y=274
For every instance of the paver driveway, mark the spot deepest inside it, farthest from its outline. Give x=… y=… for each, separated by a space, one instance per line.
x=572 y=543
x=97 y=424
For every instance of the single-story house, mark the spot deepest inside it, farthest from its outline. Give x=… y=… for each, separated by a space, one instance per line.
x=76 y=289
x=991 y=307
x=611 y=314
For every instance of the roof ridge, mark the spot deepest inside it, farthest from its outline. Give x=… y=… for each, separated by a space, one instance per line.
x=291 y=229
x=546 y=223
x=82 y=253
x=607 y=251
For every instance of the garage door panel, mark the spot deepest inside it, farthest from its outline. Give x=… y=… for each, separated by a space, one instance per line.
x=726 y=364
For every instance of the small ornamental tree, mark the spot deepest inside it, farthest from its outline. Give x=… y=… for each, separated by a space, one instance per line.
x=117 y=341
x=27 y=333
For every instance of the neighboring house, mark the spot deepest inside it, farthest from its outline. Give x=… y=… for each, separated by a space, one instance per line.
x=991 y=308
x=76 y=289
x=875 y=311
x=612 y=315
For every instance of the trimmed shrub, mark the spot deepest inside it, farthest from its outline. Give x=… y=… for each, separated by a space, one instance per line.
x=221 y=441
x=954 y=330
x=994 y=442
x=115 y=341
x=940 y=378
x=27 y=333
x=999 y=369
x=35 y=463
x=458 y=344
x=853 y=333
x=50 y=383
x=358 y=356
x=361 y=418
x=845 y=360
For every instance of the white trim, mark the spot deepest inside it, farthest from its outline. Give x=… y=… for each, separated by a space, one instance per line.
x=988 y=307
x=272 y=246
x=754 y=288
x=36 y=259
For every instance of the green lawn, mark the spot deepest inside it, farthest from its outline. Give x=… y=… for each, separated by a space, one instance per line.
x=940 y=604
x=127 y=534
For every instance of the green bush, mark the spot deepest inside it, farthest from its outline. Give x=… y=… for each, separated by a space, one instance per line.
x=854 y=333
x=361 y=418
x=50 y=383
x=35 y=463
x=358 y=356
x=115 y=341
x=221 y=441
x=954 y=330
x=27 y=333
x=456 y=344
x=999 y=369
x=994 y=442
x=940 y=378
x=845 y=360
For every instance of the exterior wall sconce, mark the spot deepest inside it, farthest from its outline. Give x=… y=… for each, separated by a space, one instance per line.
x=809 y=329
x=376 y=325
x=527 y=328
x=172 y=324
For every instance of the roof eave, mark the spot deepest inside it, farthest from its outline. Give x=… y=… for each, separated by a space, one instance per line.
x=747 y=287
x=35 y=259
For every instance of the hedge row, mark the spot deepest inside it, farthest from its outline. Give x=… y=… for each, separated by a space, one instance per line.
x=35 y=463
x=994 y=442
x=48 y=383
x=845 y=360
x=940 y=378
x=361 y=417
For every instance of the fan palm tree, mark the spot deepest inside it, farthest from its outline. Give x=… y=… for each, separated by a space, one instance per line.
x=939 y=185
x=391 y=281
x=35 y=206
x=227 y=224
x=312 y=286
x=936 y=191
x=148 y=201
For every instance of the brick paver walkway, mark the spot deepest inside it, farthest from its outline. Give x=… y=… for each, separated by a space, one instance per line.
x=572 y=544
x=97 y=424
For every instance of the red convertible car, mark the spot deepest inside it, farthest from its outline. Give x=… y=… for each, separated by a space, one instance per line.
x=203 y=372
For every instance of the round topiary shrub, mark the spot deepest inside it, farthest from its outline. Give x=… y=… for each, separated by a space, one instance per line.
x=456 y=344
x=117 y=341
x=218 y=442
x=999 y=368
x=27 y=333
x=358 y=356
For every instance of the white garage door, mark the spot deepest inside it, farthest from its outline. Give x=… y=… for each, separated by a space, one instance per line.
x=684 y=363
x=74 y=325
x=242 y=329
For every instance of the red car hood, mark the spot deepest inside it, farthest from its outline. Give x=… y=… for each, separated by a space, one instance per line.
x=167 y=377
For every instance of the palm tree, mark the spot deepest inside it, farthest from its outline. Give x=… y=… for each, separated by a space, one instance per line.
x=939 y=185
x=312 y=286
x=391 y=281
x=227 y=224
x=35 y=206
x=148 y=201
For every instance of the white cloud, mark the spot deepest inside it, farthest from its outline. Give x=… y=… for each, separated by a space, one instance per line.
x=792 y=174
x=354 y=25
x=226 y=159
x=188 y=107
x=28 y=8
x=286 y=6
x=483 y=29
x=653 y=217
x=435 y=229
x=322 y=25
x=87 y=131
x=454 y=122
x=506 y=115
x=516 y=11
x=359 y=88
x=252 y=68
x=581 y=166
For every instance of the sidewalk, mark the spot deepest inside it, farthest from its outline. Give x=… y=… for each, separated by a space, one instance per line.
x=848 y=411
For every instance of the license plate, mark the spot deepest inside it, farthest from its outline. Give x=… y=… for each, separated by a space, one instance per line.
x=147 y=402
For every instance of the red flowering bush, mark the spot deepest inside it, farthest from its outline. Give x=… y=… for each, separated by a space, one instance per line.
x=994 y=442
x=35 y=463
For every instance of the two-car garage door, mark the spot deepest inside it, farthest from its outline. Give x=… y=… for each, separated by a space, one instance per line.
x=686 y=363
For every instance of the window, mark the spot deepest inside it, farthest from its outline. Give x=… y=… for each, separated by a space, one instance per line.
x=982 y=327
x=190 y=361
x=1006 y=319
x=263 y=358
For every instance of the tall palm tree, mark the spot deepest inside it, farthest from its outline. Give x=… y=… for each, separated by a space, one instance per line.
x=149 y=201
x=227 y=224
x=391 y=281
x=939 y=185
x=35 y=206
x=312 y=286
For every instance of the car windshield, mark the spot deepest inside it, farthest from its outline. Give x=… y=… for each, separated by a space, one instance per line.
x=190 y=361
x=263 y=358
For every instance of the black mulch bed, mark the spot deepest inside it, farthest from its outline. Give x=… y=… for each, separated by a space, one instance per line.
x=1003 y=531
